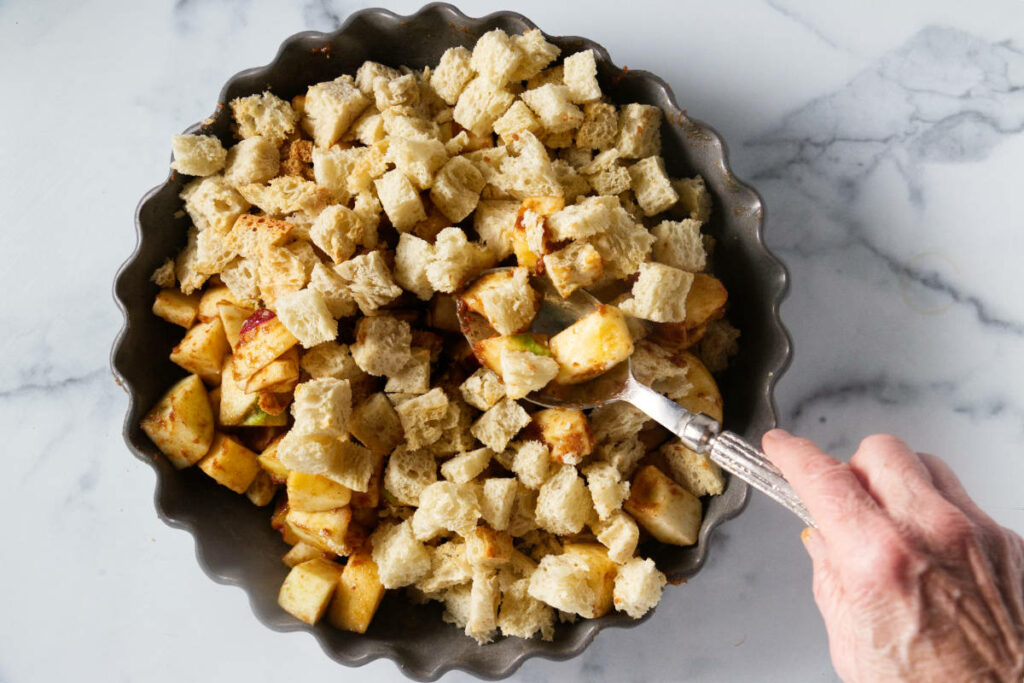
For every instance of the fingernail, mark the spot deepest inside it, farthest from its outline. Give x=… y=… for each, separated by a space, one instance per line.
x=778 y=435
x=805 y=535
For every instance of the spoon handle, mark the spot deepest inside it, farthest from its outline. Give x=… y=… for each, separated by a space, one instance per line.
x=728 y=450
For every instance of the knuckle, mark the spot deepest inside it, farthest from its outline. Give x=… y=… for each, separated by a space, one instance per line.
x=887 y=562
x=881 y=444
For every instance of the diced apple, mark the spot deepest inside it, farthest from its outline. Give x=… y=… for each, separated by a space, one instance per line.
x=230 y=464
x=665 y=509
x=601 y=571
x=240 y=408
x=704 y=396
x=262 y=339
x=301 y=552
x=202 y=351
x=308 y=589
x=325 y=530
x=281 y=374
x=271 y=464
x=279 y=523
x=233 y=316
x=488 y=351
x=592 y=345
x=704 y=302
x=357 y=596
x=262 y=489
x=212 y=298
x=315 y=493
x=175 y=307
x=529 y=238
x=181 y=423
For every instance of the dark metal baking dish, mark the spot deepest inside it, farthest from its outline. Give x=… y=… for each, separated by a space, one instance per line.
x=234 y=542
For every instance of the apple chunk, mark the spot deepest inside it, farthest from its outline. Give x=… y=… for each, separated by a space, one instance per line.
x=263 y=338
x=665 y=509
x=357 y=596
x=592 y=345
x=181 y=423
x=202 y=350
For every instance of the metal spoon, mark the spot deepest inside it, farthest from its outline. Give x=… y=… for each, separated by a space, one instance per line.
x=696 y=430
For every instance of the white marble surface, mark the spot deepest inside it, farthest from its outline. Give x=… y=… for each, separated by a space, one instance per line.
x=885 y=138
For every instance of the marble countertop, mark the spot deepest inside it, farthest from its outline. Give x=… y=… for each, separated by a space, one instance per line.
x=886 y=139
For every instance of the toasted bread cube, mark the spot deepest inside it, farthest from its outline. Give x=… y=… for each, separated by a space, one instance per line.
x=523 y=372
x=322 y=407
x=305 y=315
x=518 y=118
x=448 y=567
x=638 y=587
x=679 y=245
x=199 y=155
x=332 y=106
x=370 y=73
x=553 y=106
x=563 y=582
x=213 y=203
x=445 y=506
x=400 y=200
x=271 y=464
x=482 y=389
x=623 y=246
x=466 y=466
x=408 y=473
x=566 y=432
x=262 y=339
x=532 y=463
x=480 y=103
x=654 y=191
x=202 y=351
x=357 y=596
x=498 y=501
x=331 y=360
x=456 y=260
x=369 y=281
x=580 y=77
x=266 y=115
x=665 y=509
x=613 y=180
x=383 y=345
x=343 y=462
x=176 y=308
x=181 y=423
x=336 y=231
x=185 y=265
x=564 y=504
x=452 y=74
x=500 y=424
x=573 y=183
x=592 y=216
x=522 y=616
x=242 y=279
x=694 y=471
x=456 y=188
x=601 y=573
x=376 y=424
x=505 y=299
x=694 y=199
x=414 y=377
x=718 y=345
x=308 y=588
x=262 y=489
x=315 y=493
x=592 y=345
x=412 y=256
x=163 y=276
x=495 y=221
x=484 y=597
x=495 y=57
x=332 y=168
x=230 y=463
x=639 y=131
x=303 y=552
x=335 y=291
x=536 y=53
x=529 y=173
x=486 y=547
x=606 y=489
x=251 y=235
x=401 y=559
x=600 y=128
x=287 y=195
x=659 y=294
x=577 y=265
x=419 y=160
x=253 y=160
x=400 y=91
x=325 y=529
x=423 y=418
x=370 y=498
x=619 y=533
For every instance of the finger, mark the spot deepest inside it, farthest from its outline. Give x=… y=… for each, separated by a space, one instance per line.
x=842 y=509
x=894 y=476
x=948 y=484
x=826 y=586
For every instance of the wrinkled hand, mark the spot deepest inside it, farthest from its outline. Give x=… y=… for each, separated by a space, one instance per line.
x=913 y=580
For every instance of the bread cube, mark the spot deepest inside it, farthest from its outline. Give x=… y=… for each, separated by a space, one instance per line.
x=523 y=518
x=494 y=221
x=322 y=407
x=500 y=424
x=580 y=76
x=230 y=463
x=414 y=377
x=409 y=472
x=456 y=188
x=185 y=264
x=286 y=195
x=383 y=345
x=466 y=466
x=592 y=216
x=600 y=127
x=563 y=504
x=302 y=552
x=495 y=57
x=663 y=508
x=639 y=131
x=577 y=265
x=455 y=260
x=592 y=345
x=308 y=588
x=694 y=471
x=213 y=253
x=718 y=345
x=401 y=559
x=562 y=581
x=531 y=463
x=341 y=461
x=623 y=246
x=659 y=294
x=694 y=200
x=679 y=245
x=419 y=160
x=638 y=587
x=336 y=231
x=445 y=506
x=181 y=423
x=517 y=119
x=305 y=315
x=617 y=421
x=505 y=299
x=411 y=259
x=266 y=115
x=606 y=489
x=253 y=160
x=326 y=529
x=369 y=281
x=371 y=73
x=331 y=107
x=498 y=501
x=163 y=276
x=448 y=567
x=606 y=175
x=535 y=54
x=654 y=191
x=334 y=290
x=332 y=167
x=452 y=74
x=376 y=424
x=566 y=432
x=400 y=199
x=553 y=106
x=331 y=360
x=522 y=616
x=480 y=104
x=619 y=533
x=400 y=91
x=484 y=597
x=525 y=371
x=482 y=389
x=423 y=418
x=241 y=278
x=357 y=596
x=601 y=573
x=199 y=155
x=573 y=184
x=529 y=172
x=202 y=350
x=213 y=203
x=176 y=308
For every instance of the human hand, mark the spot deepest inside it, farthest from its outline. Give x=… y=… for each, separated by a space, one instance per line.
x=913 y=580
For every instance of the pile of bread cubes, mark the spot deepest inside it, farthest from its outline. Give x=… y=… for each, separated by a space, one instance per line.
x=331 y=247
